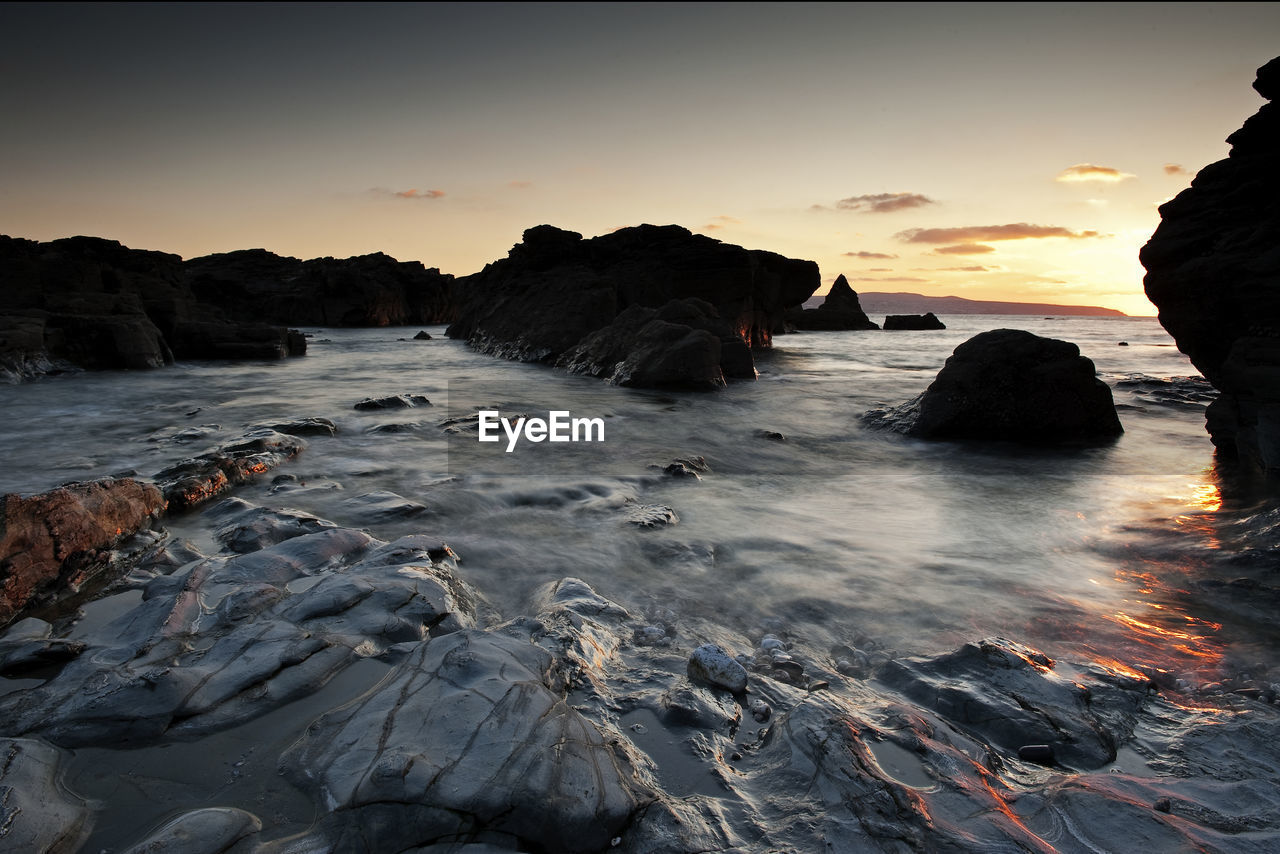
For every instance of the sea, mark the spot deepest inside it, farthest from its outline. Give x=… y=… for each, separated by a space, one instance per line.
x=1142 y=554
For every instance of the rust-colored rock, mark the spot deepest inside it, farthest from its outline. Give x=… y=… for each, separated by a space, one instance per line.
x=54 y=541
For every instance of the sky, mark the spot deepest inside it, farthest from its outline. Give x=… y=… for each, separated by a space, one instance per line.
x=990 y=151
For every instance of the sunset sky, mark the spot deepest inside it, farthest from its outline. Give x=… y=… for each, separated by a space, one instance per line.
x=999 y=151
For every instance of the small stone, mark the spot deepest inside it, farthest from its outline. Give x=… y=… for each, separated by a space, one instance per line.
x=422 y=336
x=710 y=664
x=760 y=710
x=771 y=643
x=819 y=685
x=1163 y=805
x=735 y=756
x=1041 y=754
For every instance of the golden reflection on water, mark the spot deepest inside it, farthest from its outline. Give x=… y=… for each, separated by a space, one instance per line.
x=1158 y=631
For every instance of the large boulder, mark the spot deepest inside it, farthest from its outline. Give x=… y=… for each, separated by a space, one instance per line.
x=52 y=542
x=555 y=289
x=839 y=311
x=1213 y=270
x=1010 y=385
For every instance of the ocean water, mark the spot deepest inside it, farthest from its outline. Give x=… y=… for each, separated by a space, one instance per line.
x=1121 y=553
x=1138 y=557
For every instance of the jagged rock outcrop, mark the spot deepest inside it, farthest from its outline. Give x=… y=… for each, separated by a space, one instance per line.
x=839 y=311
x=925 y=321
x=85 y=302
x=1010 y=385
x=1213 y=270
x=367 y=290
x=555 y=289
x=52 y=542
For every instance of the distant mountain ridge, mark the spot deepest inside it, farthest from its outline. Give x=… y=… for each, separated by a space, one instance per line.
x=880 y=302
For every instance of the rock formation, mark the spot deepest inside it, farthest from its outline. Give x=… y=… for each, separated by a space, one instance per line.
x=839 y=311
x=368 y=290
x=85 y=302
x=1213 y=271
x=544 y=301
x=928 y=320
x=1010 y=385
x=53 y=542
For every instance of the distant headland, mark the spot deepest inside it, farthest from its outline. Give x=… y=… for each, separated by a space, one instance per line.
x=878 y=302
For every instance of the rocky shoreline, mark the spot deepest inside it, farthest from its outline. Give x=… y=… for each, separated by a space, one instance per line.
x=585 y=723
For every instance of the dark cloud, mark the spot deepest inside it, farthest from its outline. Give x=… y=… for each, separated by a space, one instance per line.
x=1175 y=169
x=868 y=255
x=884 y=202
x=974 y=233
x=964 y=249
x=1090 y=172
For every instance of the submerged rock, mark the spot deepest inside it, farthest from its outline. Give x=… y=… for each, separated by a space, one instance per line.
x=1212 y=268
x=52 y=542
x=194 y=481
x=1010 y=385
x=394 y=401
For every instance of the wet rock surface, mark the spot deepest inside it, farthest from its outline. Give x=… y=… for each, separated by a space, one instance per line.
x=52 y=542
x=590 y=304
x=1010 y=385
x=1211 y=271
x=584 y=725
x=195 y=480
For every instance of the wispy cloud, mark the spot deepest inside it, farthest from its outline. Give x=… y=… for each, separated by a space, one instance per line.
x=519 y=185
x=888 y=279
x=964 y=249
x=865 y=254
x=974 y=233
x=408 y=194
x=1175 y=169
x=719 y=222
x=1090 y=172
x=976 y=268
x=884 y=202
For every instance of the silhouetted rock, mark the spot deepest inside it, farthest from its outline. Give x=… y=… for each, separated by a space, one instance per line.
x=1010 y=385
x=367 y=290
x=684 y=344
x=913 y=321
x=840 y=311
x=422 y=336
x=52 y=542
x=94 y=303
x=554 y=289
x=1212 y=270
